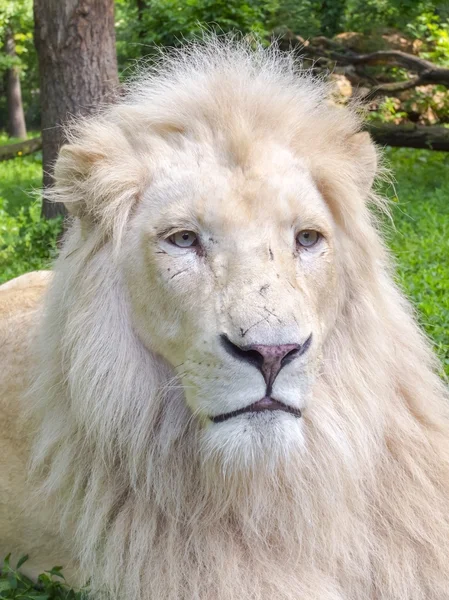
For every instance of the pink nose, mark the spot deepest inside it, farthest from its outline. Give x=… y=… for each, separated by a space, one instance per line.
x=268 y=359
x=273 y=358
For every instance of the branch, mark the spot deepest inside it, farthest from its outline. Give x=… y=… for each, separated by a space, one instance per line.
x=20 y=149
x=428 y=73
x=382 y=57
x=410 y=136
x=394 y=87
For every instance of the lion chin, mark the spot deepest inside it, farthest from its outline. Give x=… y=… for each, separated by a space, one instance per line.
x=219 y=393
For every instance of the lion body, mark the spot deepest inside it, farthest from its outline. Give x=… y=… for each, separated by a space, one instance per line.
x=142 y=492
x=23 y=530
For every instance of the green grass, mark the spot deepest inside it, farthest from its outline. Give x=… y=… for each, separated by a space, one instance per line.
x=420 y=240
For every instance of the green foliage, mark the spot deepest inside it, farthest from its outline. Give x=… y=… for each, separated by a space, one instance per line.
x=18 y=14
x=27 y=242
x=49 y=586
x=170 y=22
x=302 y=18
x=434 y=32
x=331 y=13
x=388 y=111
x=141 y=24
x=368 y=15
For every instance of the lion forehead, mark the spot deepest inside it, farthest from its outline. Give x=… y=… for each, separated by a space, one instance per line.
x=216 y=190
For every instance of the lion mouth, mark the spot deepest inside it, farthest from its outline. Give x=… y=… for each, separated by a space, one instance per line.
x=266 y=404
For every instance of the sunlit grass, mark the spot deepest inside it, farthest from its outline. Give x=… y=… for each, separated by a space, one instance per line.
x=420 y=241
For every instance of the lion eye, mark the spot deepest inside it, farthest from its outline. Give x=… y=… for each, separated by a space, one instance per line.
x=184 y=239
x=307 y=238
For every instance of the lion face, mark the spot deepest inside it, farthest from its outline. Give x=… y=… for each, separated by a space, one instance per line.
x=238 y=260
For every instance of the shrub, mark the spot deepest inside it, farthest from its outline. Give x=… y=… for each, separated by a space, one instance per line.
x=27 y=242
x=50 y=585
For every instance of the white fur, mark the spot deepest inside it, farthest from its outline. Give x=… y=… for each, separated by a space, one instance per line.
x=348 y=503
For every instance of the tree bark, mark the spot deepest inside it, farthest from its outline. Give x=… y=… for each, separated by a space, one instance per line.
x=75 y=41
x=141 y=7
x=16 y=117
x=410 y=136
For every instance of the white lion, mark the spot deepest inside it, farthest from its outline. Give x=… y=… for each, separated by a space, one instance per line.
x=229 y=398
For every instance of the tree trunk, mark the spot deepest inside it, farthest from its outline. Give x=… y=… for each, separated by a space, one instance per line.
x=75 y=41
x=410 y=136
x=141 y=7
x=16 y=117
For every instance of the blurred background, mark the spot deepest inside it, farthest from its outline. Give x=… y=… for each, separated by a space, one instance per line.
x=61 y=58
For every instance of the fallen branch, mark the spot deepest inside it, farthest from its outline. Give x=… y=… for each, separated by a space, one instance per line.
x=385 y=57
x=393 y=88
x=428 y=73
x=410 y=136
x=321 y=48
x=20 y=149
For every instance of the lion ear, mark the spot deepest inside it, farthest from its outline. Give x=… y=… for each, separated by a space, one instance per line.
x=100 y=176
x=74 y=167
x=364 y=155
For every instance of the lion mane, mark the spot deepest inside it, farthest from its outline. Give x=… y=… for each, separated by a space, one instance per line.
x=362 y=512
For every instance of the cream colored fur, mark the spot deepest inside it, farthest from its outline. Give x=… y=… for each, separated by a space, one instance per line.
x=156 y=502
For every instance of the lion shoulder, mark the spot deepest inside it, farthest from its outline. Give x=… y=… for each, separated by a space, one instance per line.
x=21 y=527
x=22 y=293
x=20 y=301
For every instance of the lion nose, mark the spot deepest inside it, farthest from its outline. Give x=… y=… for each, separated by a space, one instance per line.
x=268 y=359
